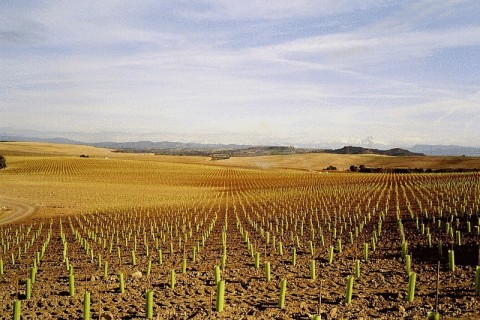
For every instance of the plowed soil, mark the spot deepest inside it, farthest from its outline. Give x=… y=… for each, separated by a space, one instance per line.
x=94 y=211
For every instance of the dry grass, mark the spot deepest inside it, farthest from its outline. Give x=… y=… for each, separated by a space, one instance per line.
x=59 y=182
x=49 y=149
x=319 y=161
x=309 y=162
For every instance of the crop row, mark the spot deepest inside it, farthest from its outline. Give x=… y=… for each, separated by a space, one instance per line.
x=262 y=244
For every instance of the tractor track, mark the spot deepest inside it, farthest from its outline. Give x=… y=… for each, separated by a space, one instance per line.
x=14 y=210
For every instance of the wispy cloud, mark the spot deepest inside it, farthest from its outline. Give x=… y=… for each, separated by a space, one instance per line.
x=281 y=9
x=294 y=71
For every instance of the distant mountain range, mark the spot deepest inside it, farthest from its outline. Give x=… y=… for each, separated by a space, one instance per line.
x=7 y=138
x=226 y=150
x=162 y=145
x=446 y=150
x=360 y=150
x=219 y=151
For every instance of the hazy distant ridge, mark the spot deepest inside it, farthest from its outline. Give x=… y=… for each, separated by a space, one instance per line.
x=231 y=150
x=149 y=145
x=446 y=150
x=8 y=138
x=360 y=150
x=170 y=147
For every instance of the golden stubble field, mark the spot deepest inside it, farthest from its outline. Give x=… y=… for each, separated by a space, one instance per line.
x=163 y=224
x=59 y=182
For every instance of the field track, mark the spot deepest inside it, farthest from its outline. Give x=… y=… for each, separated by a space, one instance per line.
x=15 y=210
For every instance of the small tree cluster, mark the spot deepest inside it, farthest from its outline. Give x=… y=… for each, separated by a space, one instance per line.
x=365 y=169
x=3 y=162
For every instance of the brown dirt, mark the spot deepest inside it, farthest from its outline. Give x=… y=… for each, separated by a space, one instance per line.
x=141 y=204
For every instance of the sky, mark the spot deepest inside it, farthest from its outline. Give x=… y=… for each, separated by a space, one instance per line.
x=393 y=73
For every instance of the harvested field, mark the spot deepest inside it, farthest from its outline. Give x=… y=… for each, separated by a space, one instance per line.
x=144 y=216
x=320 y=161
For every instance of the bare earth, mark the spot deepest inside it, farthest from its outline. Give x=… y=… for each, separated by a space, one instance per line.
x=84 y=212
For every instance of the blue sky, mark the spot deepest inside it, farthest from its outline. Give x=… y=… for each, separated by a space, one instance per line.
x=257 y=72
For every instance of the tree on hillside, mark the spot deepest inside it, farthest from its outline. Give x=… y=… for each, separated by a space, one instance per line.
x=3 y=162
x=363 y=168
